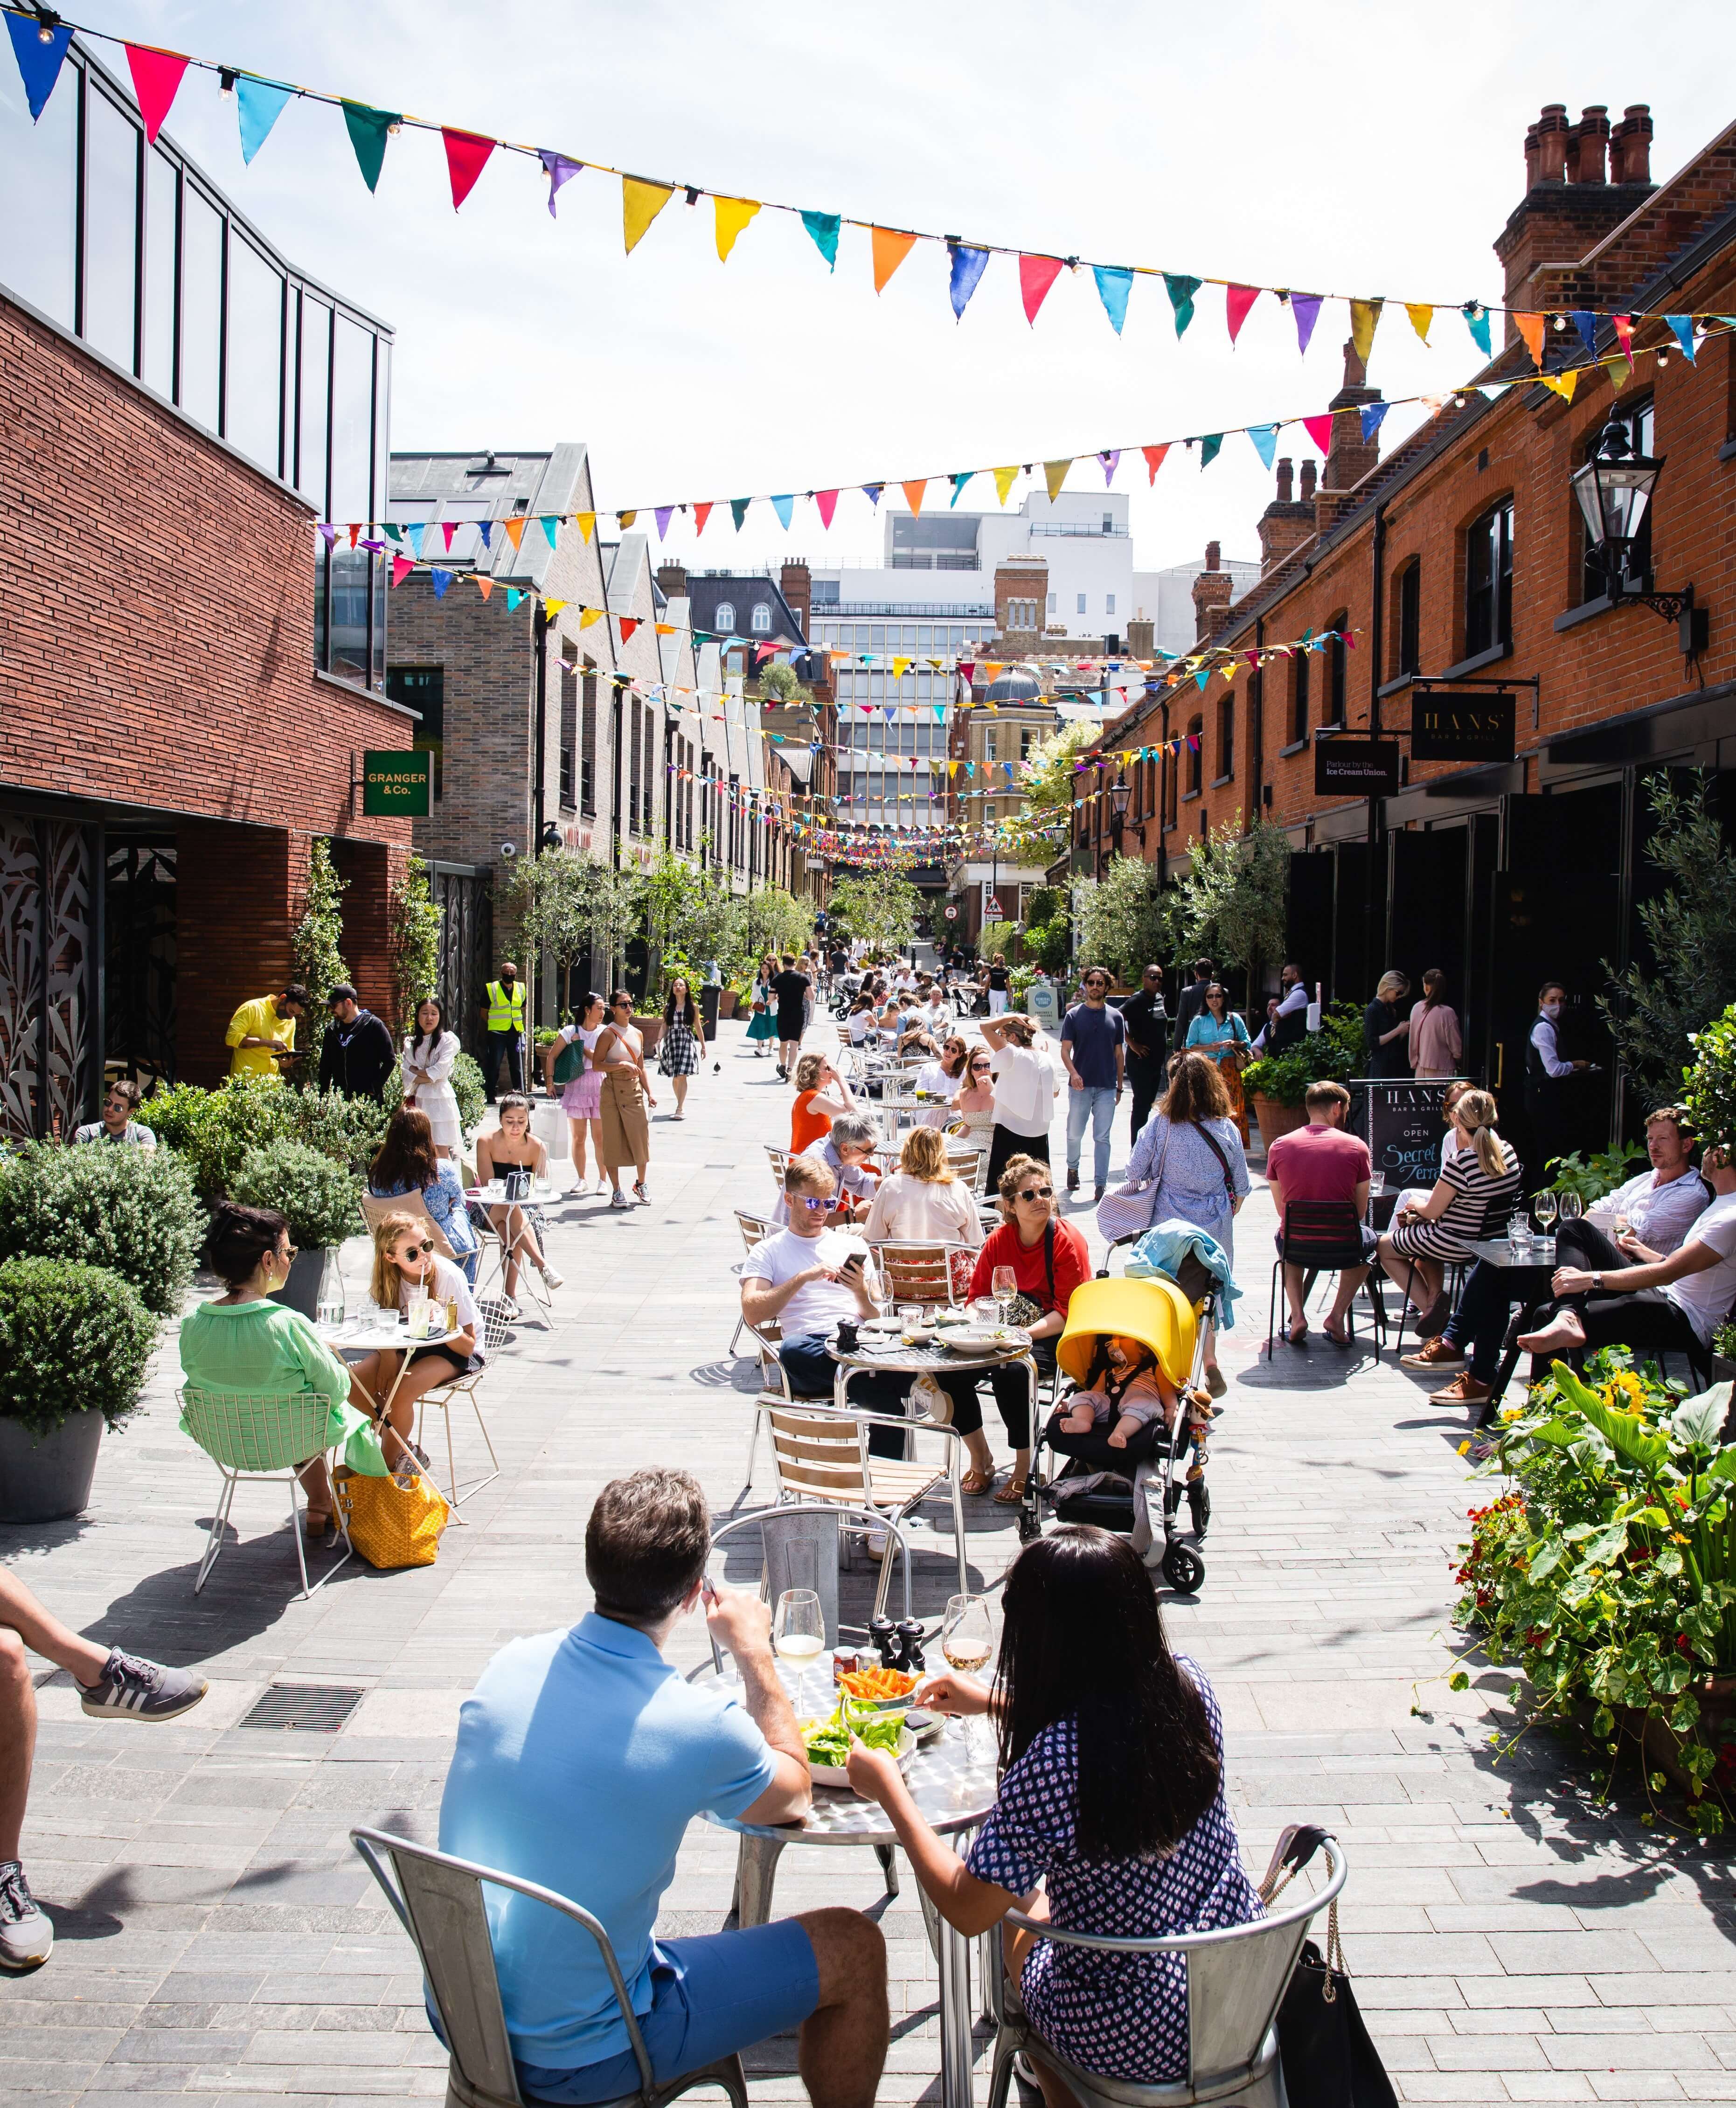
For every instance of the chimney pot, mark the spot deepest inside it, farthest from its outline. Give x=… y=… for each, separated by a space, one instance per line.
x=1213 y=556
x=1590 y=138
x=1630 y=145
x=1308 y=473
x=1551 y=143
x=1286 y=472
x=1533 y=157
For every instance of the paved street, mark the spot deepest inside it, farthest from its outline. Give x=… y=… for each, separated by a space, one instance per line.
x=218 y=1939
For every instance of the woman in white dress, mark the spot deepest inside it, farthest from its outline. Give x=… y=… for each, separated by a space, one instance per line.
x=428 y=1058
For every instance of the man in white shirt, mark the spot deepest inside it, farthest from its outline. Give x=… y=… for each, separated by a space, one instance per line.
x=1289 y=1021
x=1026 y=1088
x=1651 y=1216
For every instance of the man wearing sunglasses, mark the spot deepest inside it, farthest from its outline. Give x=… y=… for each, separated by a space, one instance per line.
x=1093 y=1045
x=1148 y=1033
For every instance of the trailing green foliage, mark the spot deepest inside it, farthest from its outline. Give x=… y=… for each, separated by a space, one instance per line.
x=132 y=1211
x=73 y=1338
x=413 y=944
x=318 y=1197
x=1709 y=1086
x=1049 y=779
x=314 y=947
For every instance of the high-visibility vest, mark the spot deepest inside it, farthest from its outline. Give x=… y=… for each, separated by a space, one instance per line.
x=506 y=1012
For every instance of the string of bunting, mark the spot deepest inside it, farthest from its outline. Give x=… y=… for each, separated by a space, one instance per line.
x=40 y=38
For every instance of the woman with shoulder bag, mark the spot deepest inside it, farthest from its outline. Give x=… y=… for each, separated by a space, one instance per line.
x=1220 y=1034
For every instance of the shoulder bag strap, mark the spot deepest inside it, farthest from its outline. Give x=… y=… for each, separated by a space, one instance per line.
x=1216 y=1148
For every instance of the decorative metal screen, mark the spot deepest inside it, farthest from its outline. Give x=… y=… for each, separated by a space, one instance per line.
x=467 y=925
x=138 y=924
x=46 y=1049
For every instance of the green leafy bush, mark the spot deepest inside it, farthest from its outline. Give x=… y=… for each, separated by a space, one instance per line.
x=349 y=1130
x=245 y=1112
x=132 y=1211
x=316 y=1196
x=73 y=1338
x=1592 y=1178
x=469 y=1089
x=177 y=1113
x=1709 y=1089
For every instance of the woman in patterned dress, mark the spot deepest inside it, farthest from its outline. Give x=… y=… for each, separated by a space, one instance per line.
x=683 y=1044
x=1111 y=1795
x=1426 y=1236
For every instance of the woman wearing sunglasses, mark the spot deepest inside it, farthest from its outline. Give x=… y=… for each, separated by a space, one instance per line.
x=973 y=1105
x=406 y=1264
x=1049 y=1259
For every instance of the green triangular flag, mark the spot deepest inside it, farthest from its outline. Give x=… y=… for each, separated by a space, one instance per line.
x=1181 y=291
x=824 y=226
x=738 y=507
x=1209 y=446
x=368 y=129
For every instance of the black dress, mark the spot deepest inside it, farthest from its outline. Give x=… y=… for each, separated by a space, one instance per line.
x=1393 y=1058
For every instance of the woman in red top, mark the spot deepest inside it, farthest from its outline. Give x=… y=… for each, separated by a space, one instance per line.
x=821 y=1095
x=1050 y=1258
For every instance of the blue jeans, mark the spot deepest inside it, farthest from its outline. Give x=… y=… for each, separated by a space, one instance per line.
x=1096 y=1103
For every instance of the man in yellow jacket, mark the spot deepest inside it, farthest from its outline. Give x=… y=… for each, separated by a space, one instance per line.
x=503 y=1008
x=262 y=1032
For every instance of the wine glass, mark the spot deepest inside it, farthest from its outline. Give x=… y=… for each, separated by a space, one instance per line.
x=966 y=1640
x=798 y=1633
x=1544 y=1208
x=1005 y=1283
x=1570 y=1207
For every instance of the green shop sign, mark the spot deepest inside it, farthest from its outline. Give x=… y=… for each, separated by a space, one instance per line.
x=395 y=784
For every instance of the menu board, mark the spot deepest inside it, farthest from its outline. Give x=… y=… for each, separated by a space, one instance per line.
x=1401 y=1123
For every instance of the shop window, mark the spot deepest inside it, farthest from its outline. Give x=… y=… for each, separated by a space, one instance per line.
x=1227 y=734
x=1300 y=674
x=1410 y=619
x=1489 y=580
x=1337 y=669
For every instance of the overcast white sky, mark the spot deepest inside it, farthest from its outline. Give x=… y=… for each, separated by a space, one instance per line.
x=1368 y=148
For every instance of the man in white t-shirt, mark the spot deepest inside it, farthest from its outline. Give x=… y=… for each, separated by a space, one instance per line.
x=1026 y=1088
x=1673 y=1304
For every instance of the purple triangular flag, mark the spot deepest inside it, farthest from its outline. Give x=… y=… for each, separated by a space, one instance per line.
x=1112 y=462
x=328 y=533
x=665 y=513
x=561 y=170
x=1306 y=307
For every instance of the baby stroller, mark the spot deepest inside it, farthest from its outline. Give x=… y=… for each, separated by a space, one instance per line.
x=1137 y=1492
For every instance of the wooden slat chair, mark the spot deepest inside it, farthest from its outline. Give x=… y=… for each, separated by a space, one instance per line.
x=918 y=1272
x=754 y=1230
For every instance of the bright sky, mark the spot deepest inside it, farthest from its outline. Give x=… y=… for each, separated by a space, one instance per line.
x=1360 y=148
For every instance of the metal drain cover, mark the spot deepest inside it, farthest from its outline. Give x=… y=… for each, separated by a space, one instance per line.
x=319 y=1708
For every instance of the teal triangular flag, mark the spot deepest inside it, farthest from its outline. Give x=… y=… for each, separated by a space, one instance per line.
x=1181 y=291
x=1113 y=286
x=1477 y=321
x=1209 y=448
x=547 y=521
x=512 y=601
x=738 y=511
x=258 y=106
x=395 y=532
x=959 y=482
x=368 y=129
x=824 y=226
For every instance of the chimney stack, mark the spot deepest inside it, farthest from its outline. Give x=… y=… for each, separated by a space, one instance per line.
x=1589 y=144
x=1631 y=146
x=1581 y=181
x=673 y=578
x=1213 y=556
x=1551 y=143
x=1285 y=525
x=1286 y=480
x=796 y=581
x=1212 y=589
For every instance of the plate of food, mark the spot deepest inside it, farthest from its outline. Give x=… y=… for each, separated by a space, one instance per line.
x=881 y=1689
x=984 y=1339
x=828 y=1741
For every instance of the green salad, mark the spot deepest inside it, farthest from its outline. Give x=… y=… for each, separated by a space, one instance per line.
x=828 y=1741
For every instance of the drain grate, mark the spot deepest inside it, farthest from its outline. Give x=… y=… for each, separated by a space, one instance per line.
x=319 y=1708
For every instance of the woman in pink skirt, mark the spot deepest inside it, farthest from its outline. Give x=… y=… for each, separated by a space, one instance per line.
x=581 y=1099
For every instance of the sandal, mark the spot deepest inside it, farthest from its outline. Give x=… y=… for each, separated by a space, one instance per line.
x=1010 y=1494
x=317 y=1524
x=976 y=1482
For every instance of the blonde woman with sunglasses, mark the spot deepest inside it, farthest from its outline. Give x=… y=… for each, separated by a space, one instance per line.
x=406 y=1264
x=973 y=1104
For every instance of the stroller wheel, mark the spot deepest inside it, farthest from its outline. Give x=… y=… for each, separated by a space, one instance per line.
x=1199 y=1506
x=1183 y=1569
x=1029 y=1527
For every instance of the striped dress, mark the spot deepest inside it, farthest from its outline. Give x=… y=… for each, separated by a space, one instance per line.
x=1473 y=1191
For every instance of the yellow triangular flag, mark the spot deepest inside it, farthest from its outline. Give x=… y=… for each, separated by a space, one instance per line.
x=913 y=493
x=587 y=521
x=899 y=666
x=1364 y=316
x=733 y=215
x=641 y=202
x=553 y=607
x=1563 y=384
x=589 y=615
x=1054 y=474
x=626 y=519
x=1420 y=319
x=889 y=250
x=484 y=586
x=1003 y=479
x=1621 y=371
x=516 y=529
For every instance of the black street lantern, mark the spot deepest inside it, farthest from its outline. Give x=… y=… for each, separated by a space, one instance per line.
x=1120 y=792
x=1614 y=491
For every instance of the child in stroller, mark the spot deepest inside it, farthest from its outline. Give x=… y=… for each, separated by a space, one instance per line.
x=1126 y=1386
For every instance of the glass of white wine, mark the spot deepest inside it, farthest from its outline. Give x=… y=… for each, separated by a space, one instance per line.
x=799 y=1633
x=966 y=1640
x=1005 y=1283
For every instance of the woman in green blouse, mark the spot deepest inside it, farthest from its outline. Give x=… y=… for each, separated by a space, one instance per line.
x=244 y=1342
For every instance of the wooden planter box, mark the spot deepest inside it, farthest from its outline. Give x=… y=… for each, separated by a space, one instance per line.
x=651 y=1028
x=1659 y=1743
x=1273 y=1119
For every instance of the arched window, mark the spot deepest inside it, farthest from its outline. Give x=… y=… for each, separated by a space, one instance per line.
x=1299 y=672
x=762 y=618
x=1410 y=619
x=726 y=616
x=1196 y=751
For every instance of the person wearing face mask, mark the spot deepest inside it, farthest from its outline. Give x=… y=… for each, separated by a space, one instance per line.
x=503 y=1006
x=1290 y=1021
x=1548 y=1083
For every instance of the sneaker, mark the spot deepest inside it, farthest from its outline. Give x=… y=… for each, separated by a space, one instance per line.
x=509 y=1310
x=642 y=1192
x=618 y=1199
x=1099 y=1193
x=1432 y=1353
x=875 y=1544
x=141 y=1690
x=1433 y=1322
x=26 y=1937
x=551 y=1279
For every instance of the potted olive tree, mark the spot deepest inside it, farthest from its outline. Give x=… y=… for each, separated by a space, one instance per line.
x=75 y=1343
x=317 y=1196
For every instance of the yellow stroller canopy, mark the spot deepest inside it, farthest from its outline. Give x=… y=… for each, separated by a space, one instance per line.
x=1154 y=1312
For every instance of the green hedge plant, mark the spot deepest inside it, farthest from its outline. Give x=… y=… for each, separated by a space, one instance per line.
x=73 y=1338
x=316 y=1196
x=132 y=1211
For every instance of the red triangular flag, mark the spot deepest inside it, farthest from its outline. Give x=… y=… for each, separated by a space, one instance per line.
x=466 y=156
x=402 y=567
x=446 y=529
x=1154 y=457
x=355 y=530
x=1036 y=275
x=156 y=77
x=629 y=622
x=1319 y=429
x=968 y=667
x=701 y=514
x=1238 y=299
x=827 y=502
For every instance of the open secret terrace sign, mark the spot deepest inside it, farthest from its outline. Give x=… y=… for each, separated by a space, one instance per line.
x=396 y=786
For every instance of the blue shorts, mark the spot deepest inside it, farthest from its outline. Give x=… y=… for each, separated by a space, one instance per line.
x=720 y=1992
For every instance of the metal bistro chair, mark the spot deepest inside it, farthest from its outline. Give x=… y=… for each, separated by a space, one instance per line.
x=754 y=1230
x=1496 y=1215
x=437 y=1900
x=1324 y=1236
x=521 y=1215
x=255 y=1435
x=446 y=1396
x=1236 y=1982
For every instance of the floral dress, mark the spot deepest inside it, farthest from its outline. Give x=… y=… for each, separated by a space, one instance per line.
x=1124 y=2016
x=445 y=1202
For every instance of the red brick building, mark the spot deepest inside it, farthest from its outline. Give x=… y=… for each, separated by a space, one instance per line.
x=1462 y=559
x=186 y=690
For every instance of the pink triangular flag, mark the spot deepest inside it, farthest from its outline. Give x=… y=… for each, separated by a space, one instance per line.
x=156 y=77
x=446 y=529
x=1238 y=299
x=1319 y=429
x=402 y=567
x=1036 y=275
x=827 y=502
x=467 y=156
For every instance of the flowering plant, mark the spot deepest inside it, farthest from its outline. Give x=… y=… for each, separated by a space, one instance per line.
x=1607 y=1570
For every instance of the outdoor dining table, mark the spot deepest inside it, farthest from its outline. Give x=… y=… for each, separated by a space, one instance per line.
x=953 y=1789
x=1525 y=1278
x=380 y=1331
x=493 y=1194
x=926 y=1357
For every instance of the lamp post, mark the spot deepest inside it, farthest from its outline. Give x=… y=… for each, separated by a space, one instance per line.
x=1614 y=491
x=1119 y=791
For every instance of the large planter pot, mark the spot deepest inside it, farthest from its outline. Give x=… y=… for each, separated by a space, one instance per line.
x=726 y=1004
x=651 y=1029
x=1273 y=1119
x=42 y=1481
x=301 y=1290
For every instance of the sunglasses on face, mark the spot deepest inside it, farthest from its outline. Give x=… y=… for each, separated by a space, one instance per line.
x=424 y=1246
x=813 y=1207
x=1036 y=1192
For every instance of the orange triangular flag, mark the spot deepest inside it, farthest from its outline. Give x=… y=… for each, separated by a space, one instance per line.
x=629 y=622
x=889 y=250
x=913 y=493
x=701 y=514
x=484 y=587
x=1530 y=328
x=515 y=531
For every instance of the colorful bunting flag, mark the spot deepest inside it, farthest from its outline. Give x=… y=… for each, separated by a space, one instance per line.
x=1364 y=319
x=1477 y=321
x=560 y=170
x=629 y=624
x=626 y=519
x=547 y=521
x=1238 y=299
x=1421 y=317
x=1209 y=447
x=449 y=527
x=1113 y=287
x=1054 y=474
x=440 y=580
x=1319 y=430
x=664 y=514
x=1624 y=327
x=783 y=507
x=1305 y=308
x=732 y=215
x=38 y=47
x=738 y=511
x=968 y=266
x=402 y=567
x=1154 y=458
x=889 y=248
x=913 y=493
x=1265 y=441
x=156 y=76
x=485 y=528
x=827 y=502
x=1372 y=415
x=515 y=529
x=959 y=482
x=513 y=598
x=258 y=106
x=1531 y=329
x=641 y=202
x=1563 y=384
x=1003 y=481
x=368 y=129
x=485 y=587
x=1036 y=275
x=1586 y=323
x=413 y=536
x=586 y=523
x=1682 y=327
x=870 y=492
x=1112 y=462
x=1181 y=291
x=466 y=156
x=824 y=228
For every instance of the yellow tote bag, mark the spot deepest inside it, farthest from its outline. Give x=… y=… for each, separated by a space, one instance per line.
x=390 y=1525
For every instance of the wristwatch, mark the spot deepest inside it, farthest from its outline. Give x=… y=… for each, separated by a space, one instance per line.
x=1596 y=1280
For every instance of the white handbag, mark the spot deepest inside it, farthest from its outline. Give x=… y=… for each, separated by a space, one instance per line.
x=1128 y=1210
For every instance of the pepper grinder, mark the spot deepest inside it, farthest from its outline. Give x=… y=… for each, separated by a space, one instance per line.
x=881 y=1631
x=910 y=1644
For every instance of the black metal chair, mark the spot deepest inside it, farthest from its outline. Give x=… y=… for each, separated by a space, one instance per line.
x=1496 y=1216
x=1324 y=1236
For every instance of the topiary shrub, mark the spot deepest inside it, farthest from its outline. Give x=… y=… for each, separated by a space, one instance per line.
x=132 y=1211
x=316 y=1196
x=469 y=1091
x=73 y=1338
x=348 y=1130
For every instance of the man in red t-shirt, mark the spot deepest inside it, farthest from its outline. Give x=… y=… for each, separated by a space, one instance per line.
x=1321 y=1162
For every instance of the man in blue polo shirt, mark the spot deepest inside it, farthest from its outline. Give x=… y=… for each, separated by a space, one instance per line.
x=582 y=1757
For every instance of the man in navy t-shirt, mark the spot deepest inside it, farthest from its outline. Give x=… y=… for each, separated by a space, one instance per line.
x=1093 y=1045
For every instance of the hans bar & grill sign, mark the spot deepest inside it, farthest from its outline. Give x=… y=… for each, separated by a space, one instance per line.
x=1463 y=724
x=396 y=786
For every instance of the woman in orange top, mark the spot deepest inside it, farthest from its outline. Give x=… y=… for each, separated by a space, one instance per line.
x=821 y=1095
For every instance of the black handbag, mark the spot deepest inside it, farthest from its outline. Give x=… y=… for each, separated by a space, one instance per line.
x=1329 y=2059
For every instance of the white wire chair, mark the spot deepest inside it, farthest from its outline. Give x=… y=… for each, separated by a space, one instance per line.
x=266 y=1436
x=446 y=1396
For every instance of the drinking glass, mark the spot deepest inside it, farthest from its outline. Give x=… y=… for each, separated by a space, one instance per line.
x=1377 y=1184
x=1570 y=1207
x=798 y=1633
x=966 y=1640
x=1005 y=1283
x=1544 y=1208
x=910 y=1321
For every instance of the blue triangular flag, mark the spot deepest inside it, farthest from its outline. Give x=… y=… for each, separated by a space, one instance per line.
x=824 y=226
x=440 y=580
x=783 y=507
x=1113 y=286
x=1585 y=322
x=38 y=58
x=870 y=492
x=512 y=601
x=414 y=535
x=258 y=106
x=1203 y=676
x=959 y=482
x=1265 y=441
x=547 y=521
x=1683 y=326
x=968 y=266
x=1371 y=414
x=485 y=528
x=1477 y=321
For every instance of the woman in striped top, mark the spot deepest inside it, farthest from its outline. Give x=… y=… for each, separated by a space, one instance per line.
x=1483 y=1173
